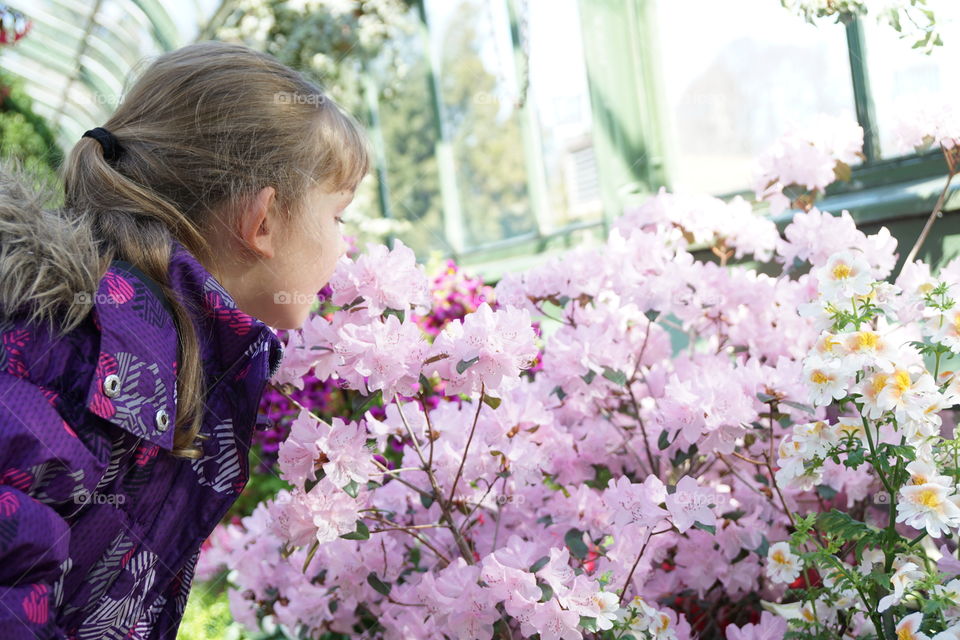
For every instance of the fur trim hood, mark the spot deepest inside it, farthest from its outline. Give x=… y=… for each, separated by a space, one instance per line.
x=47 y=259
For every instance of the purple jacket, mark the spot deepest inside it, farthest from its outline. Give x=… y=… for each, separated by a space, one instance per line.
x=100 y=526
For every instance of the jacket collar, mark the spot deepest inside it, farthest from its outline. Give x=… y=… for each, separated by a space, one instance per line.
x=134 y=384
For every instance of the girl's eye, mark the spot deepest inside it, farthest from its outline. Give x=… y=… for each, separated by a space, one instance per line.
x=339 y=220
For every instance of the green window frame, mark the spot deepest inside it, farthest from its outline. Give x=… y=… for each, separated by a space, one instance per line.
x=623 y=76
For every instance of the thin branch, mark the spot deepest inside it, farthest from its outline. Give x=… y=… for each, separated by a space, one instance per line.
x=463 y=460
x=929 y=225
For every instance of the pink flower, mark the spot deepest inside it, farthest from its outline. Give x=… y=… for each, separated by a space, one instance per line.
x=557 y=572
x=515 y=587
x=383 y=279
x=807 y=158
x=770 y=627
x=487 y=348
x=298 y=453
x=554 y=623
x=345 y=447
x=690 y=503
x=636 y=503
x=384 y=354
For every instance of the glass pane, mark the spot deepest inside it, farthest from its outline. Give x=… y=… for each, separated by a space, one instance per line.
x=901 y=78
x=558 y=90
x=734 y=81
x=410 y=135
x=479 y=91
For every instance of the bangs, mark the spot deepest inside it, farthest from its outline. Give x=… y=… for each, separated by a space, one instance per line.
x=345 y=156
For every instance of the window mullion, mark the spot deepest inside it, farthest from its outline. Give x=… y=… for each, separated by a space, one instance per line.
x=862 y=95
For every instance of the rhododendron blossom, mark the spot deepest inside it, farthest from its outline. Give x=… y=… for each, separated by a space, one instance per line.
x=627 y=440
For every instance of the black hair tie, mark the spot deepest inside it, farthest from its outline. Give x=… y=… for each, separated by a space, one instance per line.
x=111 y=146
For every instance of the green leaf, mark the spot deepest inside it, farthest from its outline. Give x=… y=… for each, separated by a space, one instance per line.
x=426 y=500
x=842 y=172
x=601 y=478
x=463 y=365
x=352 y=488
x=766 y=398
x=615 y=376
x=588 y=623
x=589 y=377
x=854 y=458
x=663 y=441
x=560 y=392
x=546 y=591
x=764 y=546
x=378 y=585
x=709 y=528
x=367 y=402
x=539 y=564
x=574 y=540
x=798 y=405
x=733 y=515
x=394 y=312
x=825 y=492
x=310 y=553
x=362 y=532
x=842 y=525
x=491 y=401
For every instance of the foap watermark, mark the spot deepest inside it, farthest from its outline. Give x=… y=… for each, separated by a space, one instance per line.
x=881 y=497
x=503 y=500
x=698 y=499
x=294 y=297
x=85 y=497
x=294 y=97
x=90 y=298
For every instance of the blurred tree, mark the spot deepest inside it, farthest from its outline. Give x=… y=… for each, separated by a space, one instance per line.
x=486 y=133
x=24 y=136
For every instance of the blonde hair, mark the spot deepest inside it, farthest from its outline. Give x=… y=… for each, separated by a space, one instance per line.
x=203 y=128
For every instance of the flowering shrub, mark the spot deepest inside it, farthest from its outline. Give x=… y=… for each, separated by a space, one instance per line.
x=705 y=451
x=910 y=18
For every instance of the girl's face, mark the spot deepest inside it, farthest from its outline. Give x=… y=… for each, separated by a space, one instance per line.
x=306 y=256
x=292 y=261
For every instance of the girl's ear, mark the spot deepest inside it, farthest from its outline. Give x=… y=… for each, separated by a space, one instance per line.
x=258 y=224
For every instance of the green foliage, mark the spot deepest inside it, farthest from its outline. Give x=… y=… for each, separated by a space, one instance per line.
x=24 y=135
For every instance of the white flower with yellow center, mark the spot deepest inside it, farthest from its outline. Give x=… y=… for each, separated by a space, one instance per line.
x=908 y=394
x=931 y=506
x=607 y=605
x=826 y=380
x=869 y=390
x=844 y=276
x=923 y=471
x=903 y=578
x=945 y=328
x=782 y=565
x=909 y=628
x=814 y=438
x=828 y=346
x=793 y=472
x=867 y=348
x=661 y=627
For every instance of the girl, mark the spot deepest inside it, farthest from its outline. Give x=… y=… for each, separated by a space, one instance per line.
x=135 y=331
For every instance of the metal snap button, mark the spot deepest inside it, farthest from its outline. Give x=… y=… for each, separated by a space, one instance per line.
x=163 y=420
x=111 y=385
